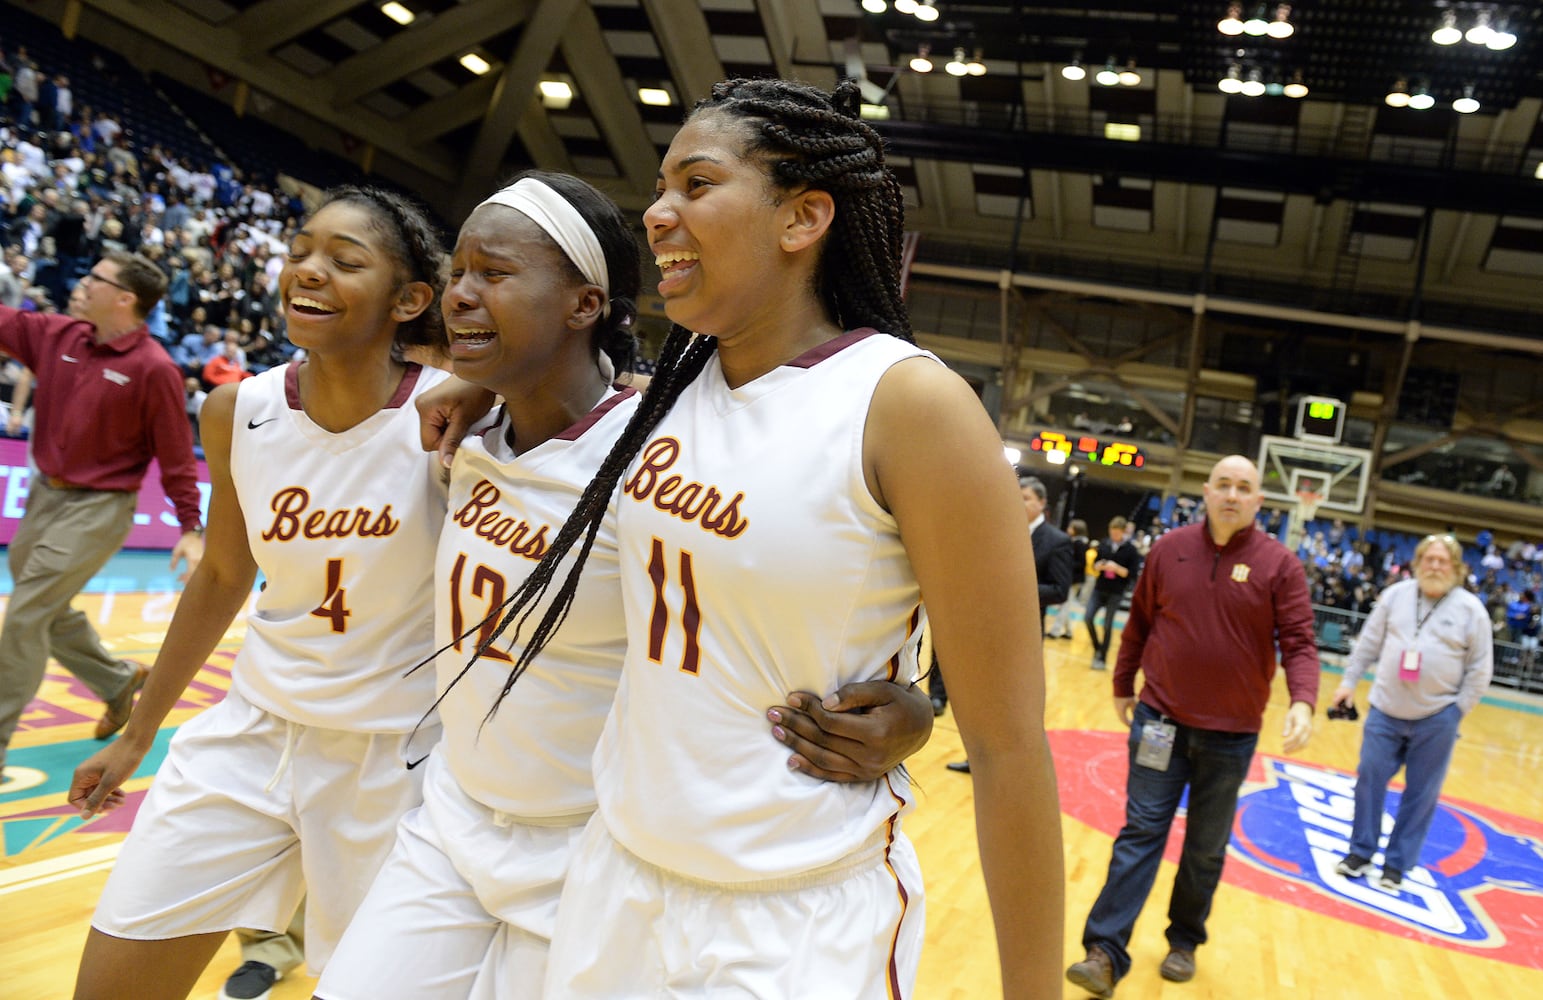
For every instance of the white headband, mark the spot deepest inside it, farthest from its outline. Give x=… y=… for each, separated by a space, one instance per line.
x=560 y=220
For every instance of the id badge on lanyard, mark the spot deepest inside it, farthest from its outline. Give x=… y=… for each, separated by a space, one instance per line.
x=1409 y=662
x=1156 y=749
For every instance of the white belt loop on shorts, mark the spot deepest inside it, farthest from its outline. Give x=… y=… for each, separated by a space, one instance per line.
x=291 y=735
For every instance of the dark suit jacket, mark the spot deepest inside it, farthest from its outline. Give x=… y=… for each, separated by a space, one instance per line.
x=1054 y=564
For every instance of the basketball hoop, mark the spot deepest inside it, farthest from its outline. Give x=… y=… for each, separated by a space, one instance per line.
x=1307 y=504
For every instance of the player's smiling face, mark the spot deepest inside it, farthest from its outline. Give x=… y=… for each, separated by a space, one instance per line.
x=339 y=281
x=714 y=230
x=515 y=306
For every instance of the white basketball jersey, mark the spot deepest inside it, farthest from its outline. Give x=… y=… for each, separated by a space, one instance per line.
x=343 y=527
x=532 y=759
x=754 y=563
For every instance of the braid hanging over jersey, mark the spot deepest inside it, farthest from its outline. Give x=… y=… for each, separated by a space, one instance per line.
x=809 y=139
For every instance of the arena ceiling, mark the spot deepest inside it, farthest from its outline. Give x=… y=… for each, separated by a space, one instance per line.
x=1166 y=178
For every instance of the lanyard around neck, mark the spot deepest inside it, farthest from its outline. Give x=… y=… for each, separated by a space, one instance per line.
x=1420 y=620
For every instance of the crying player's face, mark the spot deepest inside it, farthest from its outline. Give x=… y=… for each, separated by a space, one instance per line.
x=515 y=306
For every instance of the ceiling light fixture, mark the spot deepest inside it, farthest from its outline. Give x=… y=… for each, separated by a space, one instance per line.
x=975 y=66
x=1074 y=70
x=1466 y=105
x=1502 y=38
x=1280 y=26
x=1256 y=25
x=874 y=6
x=956 y=66
x=1232 y=22
x=906 y=6
x=1108 y=76
x=555 y=94
x=1128 y=76
x=1448 y=33
x=1232 y=83
x=656 y=97
x=919 y=62
x=475 y=63
x=1481 y=32
x=401 y=15
x=926 y=11
x=1398 y=97
x=1253 y=86
x=1421 y=99
x=1296 y=89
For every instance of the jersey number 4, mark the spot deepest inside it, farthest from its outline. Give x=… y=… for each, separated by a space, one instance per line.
x=334 y=607
x=690 y=614
x=484 y=581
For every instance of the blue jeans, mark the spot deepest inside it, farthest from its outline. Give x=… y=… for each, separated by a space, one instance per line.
x=1424 y=748
x=1212 y=765
x=1109 y=602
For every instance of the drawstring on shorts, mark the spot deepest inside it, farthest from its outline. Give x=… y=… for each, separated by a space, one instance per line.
x=291 y=737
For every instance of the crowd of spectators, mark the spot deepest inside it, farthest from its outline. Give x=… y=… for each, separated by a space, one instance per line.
x=74 y=184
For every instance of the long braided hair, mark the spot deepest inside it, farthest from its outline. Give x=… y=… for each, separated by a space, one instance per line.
x=808 y=139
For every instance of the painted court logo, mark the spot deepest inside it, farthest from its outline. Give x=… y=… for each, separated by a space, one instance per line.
x=1478 y=890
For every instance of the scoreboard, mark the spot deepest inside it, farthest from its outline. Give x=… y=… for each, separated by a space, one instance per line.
x=1058 y=449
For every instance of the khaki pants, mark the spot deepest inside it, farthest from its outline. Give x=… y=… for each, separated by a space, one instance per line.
x=64 y=539
x=283 y=951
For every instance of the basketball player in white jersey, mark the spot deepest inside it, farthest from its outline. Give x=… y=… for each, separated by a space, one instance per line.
x=793 y=485
x=297 y=779
x=539 y=308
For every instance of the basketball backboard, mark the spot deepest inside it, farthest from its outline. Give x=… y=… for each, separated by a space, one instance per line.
x=1339 y=473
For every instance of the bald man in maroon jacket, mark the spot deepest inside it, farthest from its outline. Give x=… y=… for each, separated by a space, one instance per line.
x=1209 y=610
x=108 y=399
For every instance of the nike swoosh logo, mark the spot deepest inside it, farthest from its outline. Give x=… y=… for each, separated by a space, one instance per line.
x=252 y=425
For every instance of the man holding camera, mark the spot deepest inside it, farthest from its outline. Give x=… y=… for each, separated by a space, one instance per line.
x=1429 y=644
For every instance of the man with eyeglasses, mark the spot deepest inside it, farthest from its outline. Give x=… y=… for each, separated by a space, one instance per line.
x=108 y=399
x=1429 y=648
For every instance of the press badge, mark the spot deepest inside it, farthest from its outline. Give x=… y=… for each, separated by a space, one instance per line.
x=1156 y=748
x=1409 y=666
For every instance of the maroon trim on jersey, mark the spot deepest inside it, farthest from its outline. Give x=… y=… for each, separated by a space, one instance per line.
x=591 y=418
x=292 y=385
x=830 y=348
x=404 y=389
x=892 y=971
x=894 y=660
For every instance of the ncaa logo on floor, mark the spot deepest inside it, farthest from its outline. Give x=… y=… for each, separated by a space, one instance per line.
x=1478 y=889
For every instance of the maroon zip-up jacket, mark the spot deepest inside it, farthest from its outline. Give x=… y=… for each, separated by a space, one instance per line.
x=103 y=411
x=1204 y=625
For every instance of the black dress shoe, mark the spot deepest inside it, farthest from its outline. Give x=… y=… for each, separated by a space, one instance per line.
x=938 y=705
x=962 y=766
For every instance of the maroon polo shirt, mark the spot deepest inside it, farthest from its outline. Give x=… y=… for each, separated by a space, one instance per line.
x=101 y=412
x=1205 y=623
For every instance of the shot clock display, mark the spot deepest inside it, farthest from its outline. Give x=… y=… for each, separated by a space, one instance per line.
x=1058 y=449
x=1320 y=420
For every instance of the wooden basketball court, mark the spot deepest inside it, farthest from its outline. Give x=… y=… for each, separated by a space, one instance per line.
x=1277 y=930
